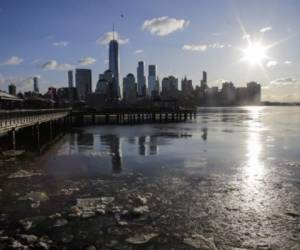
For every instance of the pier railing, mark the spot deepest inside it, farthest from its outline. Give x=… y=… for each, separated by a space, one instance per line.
x=15 y=119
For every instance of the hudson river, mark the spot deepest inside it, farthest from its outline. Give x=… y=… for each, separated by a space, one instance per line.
x=229 y=180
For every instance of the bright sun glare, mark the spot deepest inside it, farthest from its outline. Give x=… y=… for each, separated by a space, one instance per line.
x=255 y=53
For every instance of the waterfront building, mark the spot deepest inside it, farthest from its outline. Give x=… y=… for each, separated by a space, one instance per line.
x=36 y=85
x=169 y=87
x=186 y=86
x=228 y=93
x=153 y=82
x=83 y=83
x=254 y=92
x=141 y=80
x=129 y=89
x=114 y=66
x=204 y=85
x=105 y=84
x=12 y=89
x=70 y=79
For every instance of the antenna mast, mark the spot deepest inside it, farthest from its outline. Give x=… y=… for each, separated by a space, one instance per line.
x=113 y=31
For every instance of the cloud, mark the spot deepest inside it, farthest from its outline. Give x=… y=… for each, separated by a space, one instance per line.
x=287 y=62
x=271 y=64
x=87 y=61
x=60 y=44
x=284 y=81
x=108 y=36
x=54 y=65
x=138 y=51
x=14 y=60
x=162 y=26
x=193 y=47
x=265 y=29
x=203 y=47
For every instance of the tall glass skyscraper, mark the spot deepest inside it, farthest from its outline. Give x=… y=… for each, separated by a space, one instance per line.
x=114 y=67
x=153 y=85
x=141 y=80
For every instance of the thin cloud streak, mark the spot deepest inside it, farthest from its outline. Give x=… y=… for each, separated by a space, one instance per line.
x=163 y=26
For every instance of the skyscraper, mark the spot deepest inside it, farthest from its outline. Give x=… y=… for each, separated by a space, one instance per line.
x=204 y=80
x=35 y=85
x=83 y=83
x=114 y=66
x=70 y=78
x=141 y=80
x=129 y=89
x=153 y=85
x=12 y=89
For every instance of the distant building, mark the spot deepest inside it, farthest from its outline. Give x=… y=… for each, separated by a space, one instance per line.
x=83 y=83
x=169 y=87
x=36 y=85
x=12 y=89
x=187 y=86
x=105 y=84
x=70 y=79
x=129 y=89
x=114 y=66
x=153 y=83
x=228 y=93
x=254 y=92
x=242 y=96
x=141 y=80
x=67 y=96
x=51 y=93
x=204 y=81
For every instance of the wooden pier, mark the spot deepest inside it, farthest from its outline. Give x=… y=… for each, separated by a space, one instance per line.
x=45 y=124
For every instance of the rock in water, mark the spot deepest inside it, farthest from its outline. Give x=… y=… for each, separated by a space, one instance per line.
x=88 y=207
x=11 y=153
x=200 y=242
x=60 y=223
x=22 y=174
x=141 y=238
x=36 y=198
x=30 y=238
x=140 y=210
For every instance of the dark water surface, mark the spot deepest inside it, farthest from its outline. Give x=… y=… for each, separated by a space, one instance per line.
x=229 y=180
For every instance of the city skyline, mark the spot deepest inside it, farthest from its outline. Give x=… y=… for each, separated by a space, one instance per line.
x=166 y=38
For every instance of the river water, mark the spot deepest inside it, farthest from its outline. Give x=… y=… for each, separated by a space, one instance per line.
x=228 y=180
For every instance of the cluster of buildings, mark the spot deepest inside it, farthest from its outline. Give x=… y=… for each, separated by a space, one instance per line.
x=133 y=91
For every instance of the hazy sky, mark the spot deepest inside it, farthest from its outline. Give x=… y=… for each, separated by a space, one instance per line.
x=48 y=37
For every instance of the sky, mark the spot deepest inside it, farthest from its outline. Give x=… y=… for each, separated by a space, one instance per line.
x=233 y=40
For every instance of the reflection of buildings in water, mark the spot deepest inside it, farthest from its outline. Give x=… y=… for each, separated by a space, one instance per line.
x=153 y=145
x=113 y=142
x=73 y=146
x=132 y=140
x=97 y=143
x=142 y=145
x=204 y=134
x=148 y=145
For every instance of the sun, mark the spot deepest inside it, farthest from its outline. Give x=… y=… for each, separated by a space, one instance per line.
x=255 y=53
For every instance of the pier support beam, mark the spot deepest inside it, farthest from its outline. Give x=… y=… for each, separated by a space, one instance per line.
x=13 y=139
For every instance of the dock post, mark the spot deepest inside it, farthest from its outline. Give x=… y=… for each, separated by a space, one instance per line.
x=50 y=130
x=13 y=138
x=38 y=136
